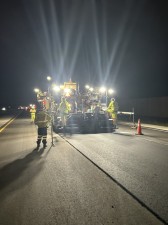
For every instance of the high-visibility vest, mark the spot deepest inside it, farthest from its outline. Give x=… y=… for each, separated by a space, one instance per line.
x=64 y=107
x=42 y=119
x=113 y=107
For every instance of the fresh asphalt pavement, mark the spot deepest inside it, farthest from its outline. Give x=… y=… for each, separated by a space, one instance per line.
x=59 y=185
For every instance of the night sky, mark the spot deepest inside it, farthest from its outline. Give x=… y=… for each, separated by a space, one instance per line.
x=120 y=44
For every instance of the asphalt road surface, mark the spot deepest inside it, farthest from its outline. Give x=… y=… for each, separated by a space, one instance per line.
x=111 y=178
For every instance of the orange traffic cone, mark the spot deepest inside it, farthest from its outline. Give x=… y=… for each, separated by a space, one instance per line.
x=139 y=131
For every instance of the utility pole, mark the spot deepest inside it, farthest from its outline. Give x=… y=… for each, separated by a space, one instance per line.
x=50 y=109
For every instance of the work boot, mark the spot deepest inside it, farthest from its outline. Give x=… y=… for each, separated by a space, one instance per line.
x=44 y=145
x=38 y=146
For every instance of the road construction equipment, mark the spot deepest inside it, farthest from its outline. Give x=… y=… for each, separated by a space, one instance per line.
x=86 y=114
x=85 y=123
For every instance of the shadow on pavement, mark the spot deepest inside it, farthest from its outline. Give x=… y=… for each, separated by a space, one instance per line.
x=12 y=171
x=125 y=133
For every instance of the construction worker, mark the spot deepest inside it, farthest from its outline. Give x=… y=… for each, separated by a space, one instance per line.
x=42 y=120
x=97 y=107
x=64 y=108
x=32 y=113
x=112 y=110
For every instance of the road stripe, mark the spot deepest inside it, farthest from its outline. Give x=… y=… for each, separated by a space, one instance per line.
x=158 y=142
x=9 y=122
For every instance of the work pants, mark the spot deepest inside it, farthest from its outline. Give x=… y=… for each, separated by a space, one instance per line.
x=42 y=135
x=32 y=117
x=63 y=119
x=114 y=117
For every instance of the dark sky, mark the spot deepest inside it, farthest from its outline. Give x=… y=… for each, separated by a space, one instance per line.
x=121 y=44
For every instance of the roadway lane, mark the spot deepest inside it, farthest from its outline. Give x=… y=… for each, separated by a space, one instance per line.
x=7 y=116
x=58 y=185
x=136 y=162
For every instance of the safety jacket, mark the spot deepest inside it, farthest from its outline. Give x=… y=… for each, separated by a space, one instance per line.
x=64 y=107
x=42 y=119
x=113 y=107
x=32 y=111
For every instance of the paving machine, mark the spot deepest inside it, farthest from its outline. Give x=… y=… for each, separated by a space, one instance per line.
x=87 y=114
x=85 y=123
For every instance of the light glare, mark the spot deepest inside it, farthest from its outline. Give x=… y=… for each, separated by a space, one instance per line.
x=36 y=90
x=110 y=91
x=102 y=89
x=49 y=78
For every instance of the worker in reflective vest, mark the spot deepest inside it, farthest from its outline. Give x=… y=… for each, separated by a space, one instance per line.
x=33 y=114
x=42 y=120
x=64 y=108
x=112 y=110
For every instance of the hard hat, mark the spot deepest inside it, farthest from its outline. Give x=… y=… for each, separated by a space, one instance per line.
x=112 y=99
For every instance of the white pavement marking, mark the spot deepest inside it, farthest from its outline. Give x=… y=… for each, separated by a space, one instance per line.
x=155 y=141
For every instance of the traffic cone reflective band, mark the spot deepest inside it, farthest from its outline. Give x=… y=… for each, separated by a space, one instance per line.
x=139 y=131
